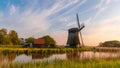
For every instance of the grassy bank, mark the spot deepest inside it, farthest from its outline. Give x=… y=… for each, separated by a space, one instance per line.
x=43 y=50
x=10 y=46
x=106 y=49
x=96 y=63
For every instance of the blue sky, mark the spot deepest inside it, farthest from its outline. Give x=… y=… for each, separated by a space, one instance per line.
x=37 y=18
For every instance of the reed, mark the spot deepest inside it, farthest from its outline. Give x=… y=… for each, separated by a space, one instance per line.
x=42 y=50
x=95 y=63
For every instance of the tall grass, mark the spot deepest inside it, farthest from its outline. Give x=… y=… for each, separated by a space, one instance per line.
x=96 y=63
x=10 y=46
x=42 y=50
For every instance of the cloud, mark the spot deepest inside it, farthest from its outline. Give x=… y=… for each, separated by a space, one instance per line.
x=12 y=9
x=76 y=6
x=59 y=6
x=31 y=22
x=102 y=6
x=99 y=8
x=27 y=23
x=1 y=15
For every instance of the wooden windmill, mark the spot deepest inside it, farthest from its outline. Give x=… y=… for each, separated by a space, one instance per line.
x=73 y=35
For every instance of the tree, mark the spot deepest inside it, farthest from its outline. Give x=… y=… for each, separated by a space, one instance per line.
x=29 y=40
x=14 y=37
x=113 y=43
x=3 y=37
x=8 y=39
x=49 y=40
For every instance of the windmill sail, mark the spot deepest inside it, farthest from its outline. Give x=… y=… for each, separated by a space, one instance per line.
x=78 y=21
x=80 y=26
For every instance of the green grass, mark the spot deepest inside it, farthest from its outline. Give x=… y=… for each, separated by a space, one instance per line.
x=10 y=46
x=95 y=63
x=43 y=50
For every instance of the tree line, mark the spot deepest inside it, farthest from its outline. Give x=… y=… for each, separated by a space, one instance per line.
x=11 y=38
x=112 y=43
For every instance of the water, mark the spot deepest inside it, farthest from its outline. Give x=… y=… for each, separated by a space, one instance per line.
x=23 y=58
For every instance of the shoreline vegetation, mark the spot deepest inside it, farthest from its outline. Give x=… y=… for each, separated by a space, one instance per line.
x=93 y=63
x=43 y=50
x=76 y=63
x=18 y=48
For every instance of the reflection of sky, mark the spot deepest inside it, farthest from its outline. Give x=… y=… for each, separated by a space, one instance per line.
x=23 y=58
x=58 y=56
x=41 y=17
x=92 y=55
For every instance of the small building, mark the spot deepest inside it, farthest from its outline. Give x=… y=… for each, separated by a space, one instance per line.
x=39 y=43
x=22 y=41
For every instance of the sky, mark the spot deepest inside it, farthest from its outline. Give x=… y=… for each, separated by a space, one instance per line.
x=37 y=18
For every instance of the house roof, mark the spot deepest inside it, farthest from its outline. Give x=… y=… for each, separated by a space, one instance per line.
x=39 y=41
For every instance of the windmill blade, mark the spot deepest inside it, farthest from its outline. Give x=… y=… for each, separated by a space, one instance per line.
x=80 y=27
x=78 y=21
x=81 y=37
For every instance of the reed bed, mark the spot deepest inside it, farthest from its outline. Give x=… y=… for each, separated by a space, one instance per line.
x=95 y=63
x=42 y=50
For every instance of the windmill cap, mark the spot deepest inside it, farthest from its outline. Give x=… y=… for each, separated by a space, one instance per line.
x=73 y=30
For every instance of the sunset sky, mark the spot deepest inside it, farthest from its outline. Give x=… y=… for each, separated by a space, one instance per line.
x=37 y=18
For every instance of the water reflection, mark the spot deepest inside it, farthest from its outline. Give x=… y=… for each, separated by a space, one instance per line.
x=92 y=55
x=7 y=58
x=23 y=58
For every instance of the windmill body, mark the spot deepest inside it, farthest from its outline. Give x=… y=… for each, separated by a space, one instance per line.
x=73 y=35
x=73 y=38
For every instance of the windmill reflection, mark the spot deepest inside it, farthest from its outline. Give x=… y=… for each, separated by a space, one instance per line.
x=79 y=55
x=88 y=55
x=73 y=55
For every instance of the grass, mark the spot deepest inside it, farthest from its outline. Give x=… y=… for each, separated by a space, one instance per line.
x=95 y=63
x=10 y=46
x=43 y=50
x=106 y=49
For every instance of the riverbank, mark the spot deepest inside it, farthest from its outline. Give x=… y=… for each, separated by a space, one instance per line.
x=95 y=63
x=43 y=50
x=110 y=49
x=56 y=50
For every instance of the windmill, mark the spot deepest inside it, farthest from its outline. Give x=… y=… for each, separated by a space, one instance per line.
x=73 y=35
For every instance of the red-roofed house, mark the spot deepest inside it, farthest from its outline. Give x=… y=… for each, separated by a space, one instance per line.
x=39 y=43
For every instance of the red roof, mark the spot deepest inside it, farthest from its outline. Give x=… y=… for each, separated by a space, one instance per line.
x=39 y=41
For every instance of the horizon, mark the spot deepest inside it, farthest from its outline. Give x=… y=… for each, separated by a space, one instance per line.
x=37 y=18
